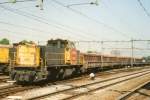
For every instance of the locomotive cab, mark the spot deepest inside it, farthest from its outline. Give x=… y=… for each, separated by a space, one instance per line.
x=61 y=52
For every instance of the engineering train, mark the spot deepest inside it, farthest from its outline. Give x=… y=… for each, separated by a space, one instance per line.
x=58 y=59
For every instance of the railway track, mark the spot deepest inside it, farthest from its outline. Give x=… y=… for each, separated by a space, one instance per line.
x=12 y=89
x=1 y=74
x=110 y=72
x=8 y=90
x=76 y=91
x=3 y=80
x=131 y=92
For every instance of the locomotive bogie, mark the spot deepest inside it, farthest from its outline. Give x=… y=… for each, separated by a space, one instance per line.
x=28 y=75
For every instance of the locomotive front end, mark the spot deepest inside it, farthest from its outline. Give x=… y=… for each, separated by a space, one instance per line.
x=26 y=63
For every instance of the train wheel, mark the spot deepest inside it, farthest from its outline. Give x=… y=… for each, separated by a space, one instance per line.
x=12 y=75
x=32 y=77
x=17 y=76
x=61 y=74
x=53 y=74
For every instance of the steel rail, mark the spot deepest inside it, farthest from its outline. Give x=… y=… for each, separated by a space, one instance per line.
x=102 y=87
x=89 y=84
x=131 y=92
x=7 y=90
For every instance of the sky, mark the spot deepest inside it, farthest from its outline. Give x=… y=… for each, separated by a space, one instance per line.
x=110 y=20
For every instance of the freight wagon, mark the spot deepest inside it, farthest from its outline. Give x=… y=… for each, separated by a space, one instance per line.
x=96 y=62
x=58 y=59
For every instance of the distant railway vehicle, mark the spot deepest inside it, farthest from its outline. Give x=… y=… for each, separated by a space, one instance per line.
x=4 y=58
x=58 y=59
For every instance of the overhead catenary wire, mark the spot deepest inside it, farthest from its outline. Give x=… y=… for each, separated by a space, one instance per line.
x=45 y=21
x=31 y=16
x=40 y=3
x=16 y=1
x=88 y=3
x=25 y=27
x=106 y=48
x=90 y=18
x=61 y=25
x=87 y=34
x=6 y=31
x=144 y=9
x=20 y=35
x=69 y=8
x=122 y=20
x=19 y=13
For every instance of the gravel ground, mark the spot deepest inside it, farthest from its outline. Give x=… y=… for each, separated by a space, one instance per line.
x=5 y=84
x=142 y=94
x=112 y=93
x=3 y=76
x=40 y=91
x=99 y=78
x=52 y=88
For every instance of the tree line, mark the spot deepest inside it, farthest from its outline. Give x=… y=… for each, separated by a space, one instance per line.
x=4 y=41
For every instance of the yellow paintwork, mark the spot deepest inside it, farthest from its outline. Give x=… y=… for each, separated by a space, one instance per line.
x=28 y=56
x=82 y=59
x=67 y=56
x=4 y=54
